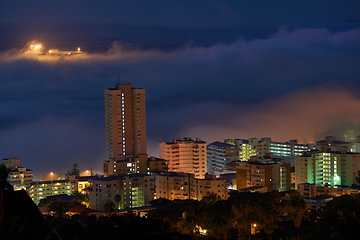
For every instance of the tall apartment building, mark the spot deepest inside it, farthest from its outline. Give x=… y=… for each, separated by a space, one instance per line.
x=173 y=185
x=20 y=177
x=275 y=174
x=125 y=122
x=185 y=155
x=265 y=146
x=135 y=190
x=219 y=154
x=327 y=168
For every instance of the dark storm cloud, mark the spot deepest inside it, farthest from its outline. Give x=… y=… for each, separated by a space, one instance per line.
x=296 y=83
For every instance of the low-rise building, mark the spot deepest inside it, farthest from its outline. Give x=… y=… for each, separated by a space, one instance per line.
x=230 y=180
x=173 y=185
x=43 y=189
x=273 y=173
x=140 y=164
x=158 y=165
x=125 y=191
x=312 y=190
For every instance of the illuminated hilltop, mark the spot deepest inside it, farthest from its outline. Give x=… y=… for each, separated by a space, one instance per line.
x=38 y=49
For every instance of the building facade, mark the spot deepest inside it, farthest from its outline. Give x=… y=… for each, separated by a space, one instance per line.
x=140 y=164
x=20 y=177
x=173 y=185
x=311 y=190
x=327 y=168
x=134 y=190
x=219 y=154
x=266 y=146
x=43 y=189
x=275 y=174
x=185 y=155
x=125 y=122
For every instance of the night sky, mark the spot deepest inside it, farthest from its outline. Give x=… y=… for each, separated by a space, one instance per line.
x=211 y=69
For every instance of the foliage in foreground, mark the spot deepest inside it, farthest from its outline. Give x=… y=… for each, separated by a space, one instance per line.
x=275 y=218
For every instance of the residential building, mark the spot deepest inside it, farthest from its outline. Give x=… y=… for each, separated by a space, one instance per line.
x=43 y=189
x=312 y=190
x=134 y=190
x=125 y=123
x=266 y=146
x=185 y=155
x=158 y=165
x=20 y=177
x=219 y=154
x=139 y=164
x=273 y=173
x=327 y=168
x=177 y=185
x=81 y=184
x=331 y=144
x=12 y=163
x=230 y=180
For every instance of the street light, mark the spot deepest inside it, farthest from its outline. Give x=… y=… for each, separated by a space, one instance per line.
x=51 y=174
x=253 y=229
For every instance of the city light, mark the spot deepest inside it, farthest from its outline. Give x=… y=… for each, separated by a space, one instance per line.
x=38 y=49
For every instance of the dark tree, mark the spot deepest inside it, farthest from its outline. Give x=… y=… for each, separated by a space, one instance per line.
x=109 y=206
x=73 y=171
x=4 y=176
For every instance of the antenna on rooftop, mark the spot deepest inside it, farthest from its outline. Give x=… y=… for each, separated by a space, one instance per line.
x=118 y=79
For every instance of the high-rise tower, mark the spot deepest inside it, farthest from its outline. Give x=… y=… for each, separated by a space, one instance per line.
x=125 y=122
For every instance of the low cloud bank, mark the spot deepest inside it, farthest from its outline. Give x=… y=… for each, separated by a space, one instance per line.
x=293 y=84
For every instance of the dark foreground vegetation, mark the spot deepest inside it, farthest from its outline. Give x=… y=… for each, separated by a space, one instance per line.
x=242 y=216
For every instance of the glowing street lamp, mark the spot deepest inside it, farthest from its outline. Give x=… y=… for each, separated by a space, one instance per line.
x=253 y=229
x=51 y=175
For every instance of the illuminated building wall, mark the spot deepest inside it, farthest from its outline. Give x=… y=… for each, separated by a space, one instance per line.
x=185 y=155
x=275 y=174
x=125 y=123
x=312 y=190
x=218 y=155
x=248 y=148
x=327 y=168
x=140 y=164
x=135 y=190
x=183 y=186
x=43 y=189
x=20 y=177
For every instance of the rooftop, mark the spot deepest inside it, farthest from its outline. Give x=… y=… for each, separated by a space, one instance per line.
x=120 y=177
x=185 y=140
x=220 y=144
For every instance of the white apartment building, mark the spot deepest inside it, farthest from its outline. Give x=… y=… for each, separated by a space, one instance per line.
x=218 y=155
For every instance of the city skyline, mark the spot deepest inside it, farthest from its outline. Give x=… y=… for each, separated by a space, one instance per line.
x=284 y=78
